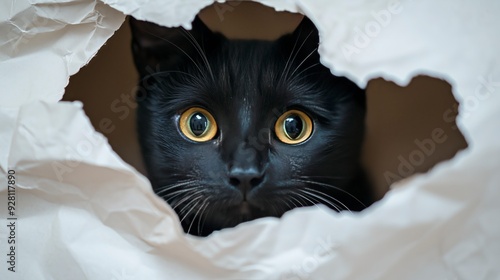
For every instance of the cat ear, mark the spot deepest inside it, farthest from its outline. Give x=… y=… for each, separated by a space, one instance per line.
x=306 y=29
x=157 y=47
x=304 y=40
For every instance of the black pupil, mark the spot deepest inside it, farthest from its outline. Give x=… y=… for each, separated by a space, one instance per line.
x=293 y=126
x=198 y=123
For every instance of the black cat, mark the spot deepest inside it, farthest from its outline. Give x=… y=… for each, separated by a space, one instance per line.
x=234 y=130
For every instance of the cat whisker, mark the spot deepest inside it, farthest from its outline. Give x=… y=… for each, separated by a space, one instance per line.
x=318 y=176
x=179 y=193
x=302 y=62
x=192 y=205
x=301 y=202
x=295 y=202
x=200 y=51
x=288 y=60
x=193 y=201
x=285 y=201
x=200 y=226
x=298 y=201
x=287 y=70
x=281 y=203
x=299 y=76
x=207 y=214
x=196 y=214
x=320 y=199
x=272 y=206
x=184 y=208
x=329 y=186
x=325 y=197
x=179 y=48
x=171 y=196
x=187 y=183
x=160 y=73
x=173 y=186
x=312 y=202
x=186 y=198
x=181 y=175
x=276 y=210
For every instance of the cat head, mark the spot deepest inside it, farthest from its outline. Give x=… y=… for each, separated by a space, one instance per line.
x=233 y=130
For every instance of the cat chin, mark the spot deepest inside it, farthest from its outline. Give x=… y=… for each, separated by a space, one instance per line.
x=245 y=211
x=225 y=218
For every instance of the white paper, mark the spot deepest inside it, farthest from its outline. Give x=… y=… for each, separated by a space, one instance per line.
x=44 y=42
x=85 y=214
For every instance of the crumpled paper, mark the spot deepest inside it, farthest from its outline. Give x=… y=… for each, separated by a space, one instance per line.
x=82 y=213
x=44 y=42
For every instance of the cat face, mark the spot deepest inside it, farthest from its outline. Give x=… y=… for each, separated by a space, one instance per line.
x=234 y=130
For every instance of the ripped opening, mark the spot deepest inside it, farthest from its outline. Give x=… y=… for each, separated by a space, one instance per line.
x=409 y=129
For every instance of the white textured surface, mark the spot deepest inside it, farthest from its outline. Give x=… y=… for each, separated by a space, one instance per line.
x=44 y=42
x=84 y=214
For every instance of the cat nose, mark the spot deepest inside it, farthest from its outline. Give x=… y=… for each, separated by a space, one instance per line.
x=245 y=179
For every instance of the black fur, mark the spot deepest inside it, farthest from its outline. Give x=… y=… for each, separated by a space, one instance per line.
x=246 y=85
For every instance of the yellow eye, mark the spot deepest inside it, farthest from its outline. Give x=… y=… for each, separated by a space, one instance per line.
x=293 y=127
x=198 y=124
